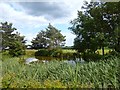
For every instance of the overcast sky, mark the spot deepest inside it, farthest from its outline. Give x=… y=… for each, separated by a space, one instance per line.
x=31 y=17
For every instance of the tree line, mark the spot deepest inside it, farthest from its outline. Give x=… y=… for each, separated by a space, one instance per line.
x=51 y=38
x=97 y=27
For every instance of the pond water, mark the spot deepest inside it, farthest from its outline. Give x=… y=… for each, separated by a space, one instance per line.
x=29 y=60
x=48 y=59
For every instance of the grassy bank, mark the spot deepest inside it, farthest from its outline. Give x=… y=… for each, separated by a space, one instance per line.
x=59 y=74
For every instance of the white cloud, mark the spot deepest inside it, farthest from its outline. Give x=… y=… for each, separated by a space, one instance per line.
x=27 y=24
x=18 y=17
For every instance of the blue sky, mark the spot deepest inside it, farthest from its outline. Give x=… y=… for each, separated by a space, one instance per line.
x=31 y=17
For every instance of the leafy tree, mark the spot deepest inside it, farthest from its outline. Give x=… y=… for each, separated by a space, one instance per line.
x=13 y=41
x=97 y=27
x=50 y=38
x=112 y=15
x=108 y=16
x=83 y=28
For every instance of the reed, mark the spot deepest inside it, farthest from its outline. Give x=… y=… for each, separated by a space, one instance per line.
x=102 y=74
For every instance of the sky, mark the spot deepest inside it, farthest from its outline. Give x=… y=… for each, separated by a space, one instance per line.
x=32 y=16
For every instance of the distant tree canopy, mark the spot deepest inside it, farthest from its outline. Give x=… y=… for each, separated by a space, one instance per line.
x=51 y=38
x=97 y=27
x=13 y=41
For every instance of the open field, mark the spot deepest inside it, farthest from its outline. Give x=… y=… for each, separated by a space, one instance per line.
x=31 y=52
x=57 y=74
x=69 y=51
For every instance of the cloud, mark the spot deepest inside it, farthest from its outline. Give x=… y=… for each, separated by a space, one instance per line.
x=47 y=9
x=30 y=17
x=8 y=13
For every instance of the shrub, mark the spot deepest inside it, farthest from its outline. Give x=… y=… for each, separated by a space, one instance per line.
x=58 y=53
x=44 y=52
x=17 y=49
x=91 y=56
x=30 y=52
x=111 y=54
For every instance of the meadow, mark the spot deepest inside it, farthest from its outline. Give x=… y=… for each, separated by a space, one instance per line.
x=58 y=74
x=31 y=52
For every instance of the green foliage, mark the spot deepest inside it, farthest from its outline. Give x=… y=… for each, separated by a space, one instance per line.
x=7 y=34
x=53 y=84
x=91 y=56
x=111 y=54
x=91 y=35
x=16 y=49
x=57 y=53
x=51 y=38
x=44 y=52
x=13 y=41
x=56 y=74
x=30 y=53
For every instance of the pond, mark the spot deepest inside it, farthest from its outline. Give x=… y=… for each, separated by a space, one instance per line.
x=29 y=60
x=48 y=59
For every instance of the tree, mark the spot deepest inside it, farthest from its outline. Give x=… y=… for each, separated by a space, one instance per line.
x=50 y=38
x=110 y=21
x=97 y=27
x=40 y=41
x=112 y=15
x=7 y=35
x=13 y=41
x=16 y=49
x=84 y=29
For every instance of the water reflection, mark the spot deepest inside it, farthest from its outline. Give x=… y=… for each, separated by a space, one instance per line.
x=48 y=59
x=71 y=62
x=29 y=60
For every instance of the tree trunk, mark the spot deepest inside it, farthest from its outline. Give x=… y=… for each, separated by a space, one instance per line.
x=103 y=51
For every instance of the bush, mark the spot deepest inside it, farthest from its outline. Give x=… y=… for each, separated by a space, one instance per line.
x=91 y=56
x=57 y=53
x=17 y=49
x=30 y=53
x=44 y=52
x=111 y=55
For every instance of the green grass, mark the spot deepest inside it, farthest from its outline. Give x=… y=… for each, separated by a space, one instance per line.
x=69 y=51
x=57 y=74
x=106 y=51
x=30 y=52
